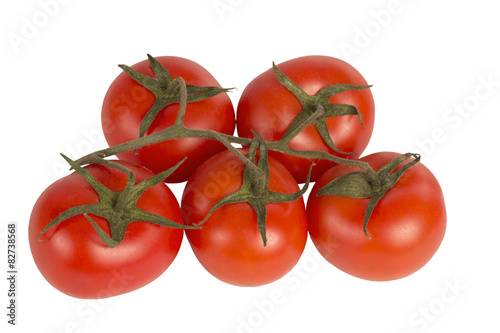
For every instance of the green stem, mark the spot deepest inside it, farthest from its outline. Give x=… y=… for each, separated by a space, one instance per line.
x=179 y=130
x=283 y=146
x=316 y=110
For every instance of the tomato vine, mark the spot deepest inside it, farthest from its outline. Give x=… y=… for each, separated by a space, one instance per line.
x=316 y=110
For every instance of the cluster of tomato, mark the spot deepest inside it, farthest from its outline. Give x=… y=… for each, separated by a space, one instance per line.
x=379 y=217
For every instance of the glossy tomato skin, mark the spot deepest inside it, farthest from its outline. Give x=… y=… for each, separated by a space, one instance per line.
x=127 y=102
x=406 y=227
x=269 y=108
x=230 y=246
x=73 y=258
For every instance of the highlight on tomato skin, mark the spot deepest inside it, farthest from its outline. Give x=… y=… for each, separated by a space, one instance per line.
x=268 y=107
x=72 y=257
x=406 y=228
x=230 y=246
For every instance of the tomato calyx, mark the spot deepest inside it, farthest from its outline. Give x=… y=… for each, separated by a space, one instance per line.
x=255 y=187
x=312 y=103
x=166 y=90
x=118 y=208
x=360 y=185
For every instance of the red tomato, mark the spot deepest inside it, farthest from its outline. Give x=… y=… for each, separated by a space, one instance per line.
x=127 y=102
x=269 y=108
x=229 y=245
x=406 y=227
x=73 y=258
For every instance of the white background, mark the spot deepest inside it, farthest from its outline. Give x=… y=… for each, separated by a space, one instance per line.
x=426 y=59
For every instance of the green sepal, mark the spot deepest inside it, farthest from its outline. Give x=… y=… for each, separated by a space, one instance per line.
x=361 y=185
x=353 y=185
x=166 y=90
x=118 y=208
x=311 y=104
x=255 y=187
